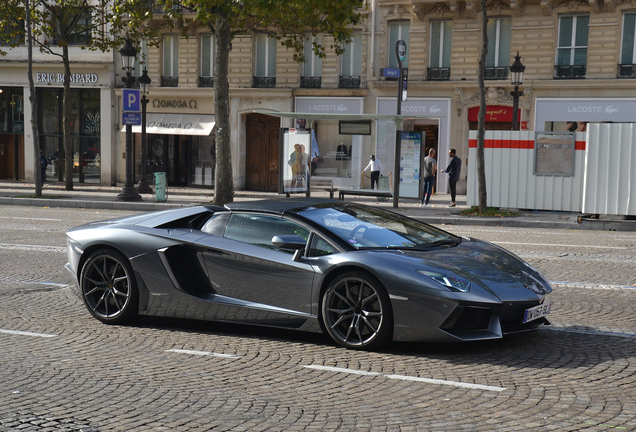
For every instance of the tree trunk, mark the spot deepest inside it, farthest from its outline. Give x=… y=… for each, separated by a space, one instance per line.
x=481 y=118
x=66 y=121
x=37 y=172
x=223 y=186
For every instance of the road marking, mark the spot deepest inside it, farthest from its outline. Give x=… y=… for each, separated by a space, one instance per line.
x=594 y=286
x=14 y=246
x=23 y=333
x=203 y=353
x=560 y=245
x=591 y=332
x=30 y=218
x=408 y=378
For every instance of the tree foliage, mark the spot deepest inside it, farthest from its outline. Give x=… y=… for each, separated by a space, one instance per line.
x=287 y=20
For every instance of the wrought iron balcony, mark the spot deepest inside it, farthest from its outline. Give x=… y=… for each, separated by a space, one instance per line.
x=310 y=82
x=349 y=82
x=169 y=81
x=570 y=72
x=264 y=82
x=438 y=74
x=206 y=81
x=496 y=73
x=627 y=70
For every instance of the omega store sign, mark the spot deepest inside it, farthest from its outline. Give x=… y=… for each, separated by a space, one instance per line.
x=180 y=105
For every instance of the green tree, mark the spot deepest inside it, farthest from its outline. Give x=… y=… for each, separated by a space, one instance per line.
x=288 y=20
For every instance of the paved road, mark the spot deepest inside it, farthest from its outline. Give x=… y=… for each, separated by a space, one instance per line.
x=61 y=370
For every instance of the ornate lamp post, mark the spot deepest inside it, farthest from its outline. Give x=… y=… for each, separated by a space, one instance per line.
x=516 y=78
x=128 y=192
x=144 y=86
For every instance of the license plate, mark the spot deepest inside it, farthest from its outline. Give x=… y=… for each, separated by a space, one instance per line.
x=537 y=312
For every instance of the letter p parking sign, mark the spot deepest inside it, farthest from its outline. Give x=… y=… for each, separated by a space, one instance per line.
x=131 y=100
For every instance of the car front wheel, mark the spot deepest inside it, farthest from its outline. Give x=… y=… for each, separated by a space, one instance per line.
x=356 y=311
x=108 y=287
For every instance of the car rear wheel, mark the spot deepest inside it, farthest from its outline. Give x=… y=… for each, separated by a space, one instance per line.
x=356 y=311
x=108 y=287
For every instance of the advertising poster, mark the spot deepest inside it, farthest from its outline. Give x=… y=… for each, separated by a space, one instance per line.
x=296 y=146
x=410 y=164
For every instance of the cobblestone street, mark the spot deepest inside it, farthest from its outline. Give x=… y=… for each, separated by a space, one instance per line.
x=65 y=371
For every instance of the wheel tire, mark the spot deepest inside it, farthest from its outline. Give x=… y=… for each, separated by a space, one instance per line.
x=108 y=287
x=356 y=311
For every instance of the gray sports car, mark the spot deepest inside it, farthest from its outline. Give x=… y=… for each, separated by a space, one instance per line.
x=363 y=275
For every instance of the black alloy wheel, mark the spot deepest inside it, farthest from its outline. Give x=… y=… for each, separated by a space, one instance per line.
x=108 y=287
x=356 y=311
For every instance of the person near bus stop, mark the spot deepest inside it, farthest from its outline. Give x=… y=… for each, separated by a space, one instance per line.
x=43 y=164
x=376 y=170
x=453 y=170
x=430 y=171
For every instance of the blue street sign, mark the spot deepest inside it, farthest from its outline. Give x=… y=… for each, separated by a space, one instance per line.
x=391 y=72
x=131 y=100
x=131 y=119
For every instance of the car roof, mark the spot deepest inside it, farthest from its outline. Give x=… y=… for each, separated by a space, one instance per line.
x=278 y=205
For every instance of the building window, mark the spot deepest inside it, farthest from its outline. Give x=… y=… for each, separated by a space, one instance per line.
x=498 y=57
x=265 y=61
x=170 y=77
x=351 y=63
x=439 y=64
x=398 y=30
x=80 y=33
x=627 y=66
x=141 y=62
x=13 y=35
x=572 y=49
x=312 y=68
x=206 y=77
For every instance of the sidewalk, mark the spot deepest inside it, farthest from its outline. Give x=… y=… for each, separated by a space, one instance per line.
x=104 y=197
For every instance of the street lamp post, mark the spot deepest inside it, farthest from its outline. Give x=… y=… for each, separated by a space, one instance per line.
x=128 y=192
x=144 y=86
x=516 y=78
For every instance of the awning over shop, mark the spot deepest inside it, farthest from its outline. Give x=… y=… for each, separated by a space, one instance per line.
x=177 y=124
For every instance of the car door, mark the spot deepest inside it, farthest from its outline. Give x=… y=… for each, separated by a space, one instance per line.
x=249 y=271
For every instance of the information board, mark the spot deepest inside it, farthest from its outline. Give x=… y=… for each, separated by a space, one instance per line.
x=554 y=153
x=410 y=164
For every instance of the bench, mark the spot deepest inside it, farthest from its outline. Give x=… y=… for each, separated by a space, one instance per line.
x=365 y=192
x=323 y=185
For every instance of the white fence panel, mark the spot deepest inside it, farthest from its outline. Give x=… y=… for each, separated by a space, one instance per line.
x=510 y=182
x=610 y=178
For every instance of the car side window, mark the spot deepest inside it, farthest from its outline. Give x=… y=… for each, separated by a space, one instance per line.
x=259 y=229
x=216 y=224
x=320 y=247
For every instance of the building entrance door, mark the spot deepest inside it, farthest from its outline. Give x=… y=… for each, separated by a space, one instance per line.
x=261 y=161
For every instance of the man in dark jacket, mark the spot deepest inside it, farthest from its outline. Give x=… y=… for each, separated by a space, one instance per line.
x=453 y=170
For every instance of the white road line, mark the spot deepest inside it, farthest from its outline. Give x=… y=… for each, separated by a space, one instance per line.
x=15 y=246
x=203 y=353
x=594 y=286
x=408 y=378
x=559 y=245
x=23 y=333
x=591 y=332
x=30 y=219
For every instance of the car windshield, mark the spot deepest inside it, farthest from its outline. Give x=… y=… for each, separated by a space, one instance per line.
x=369 y=227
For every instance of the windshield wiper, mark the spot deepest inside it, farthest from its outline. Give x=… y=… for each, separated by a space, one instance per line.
x=439 y=243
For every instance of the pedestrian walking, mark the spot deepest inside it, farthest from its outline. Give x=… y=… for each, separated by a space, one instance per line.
x=430 y=171
x=376 y=170
x=453 y=170
x=43 y=164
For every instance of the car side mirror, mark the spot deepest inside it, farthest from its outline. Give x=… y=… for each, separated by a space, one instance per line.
x=292 y=241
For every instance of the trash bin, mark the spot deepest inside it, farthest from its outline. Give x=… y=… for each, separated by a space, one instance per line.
x=161 y=186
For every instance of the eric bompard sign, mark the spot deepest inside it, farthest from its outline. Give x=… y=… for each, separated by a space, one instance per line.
x=59 y=78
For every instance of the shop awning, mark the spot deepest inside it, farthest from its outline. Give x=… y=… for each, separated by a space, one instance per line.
x=177 y=124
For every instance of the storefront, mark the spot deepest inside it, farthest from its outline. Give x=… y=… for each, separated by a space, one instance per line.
x=573 y=115
x=333 y=156
x=498 y=117
x=11 y=133
x=435 y=131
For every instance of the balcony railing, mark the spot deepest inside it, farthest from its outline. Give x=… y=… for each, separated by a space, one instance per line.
x=264 y=82
x=206 y=81
x=169 y=81
x=349 y=82
x=438 y=74
x=570 y=72
x=310 y=82
x=627 y=70
x=496 y=73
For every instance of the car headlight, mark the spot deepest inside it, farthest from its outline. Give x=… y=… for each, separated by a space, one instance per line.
x=451 y=282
